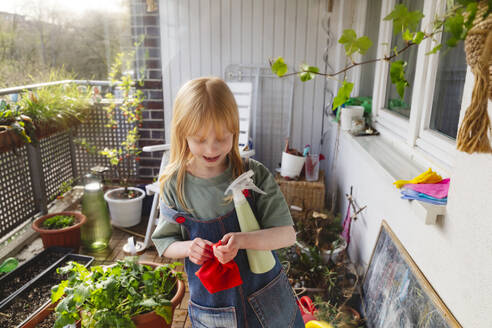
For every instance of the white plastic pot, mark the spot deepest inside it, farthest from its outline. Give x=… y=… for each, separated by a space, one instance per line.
x=291 y=165
x=125 y=212
x=326 y=255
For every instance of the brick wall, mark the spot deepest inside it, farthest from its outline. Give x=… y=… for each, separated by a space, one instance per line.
x=148 y=61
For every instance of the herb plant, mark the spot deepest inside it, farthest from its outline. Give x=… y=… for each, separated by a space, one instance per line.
x=58 y=222
x=109 y=296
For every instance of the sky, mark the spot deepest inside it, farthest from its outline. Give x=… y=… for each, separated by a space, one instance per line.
x=75 y=7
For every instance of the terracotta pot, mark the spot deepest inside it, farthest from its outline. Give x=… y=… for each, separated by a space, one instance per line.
x=43 y=312
x=67 y=237
x=9 y=140
x=151 y=319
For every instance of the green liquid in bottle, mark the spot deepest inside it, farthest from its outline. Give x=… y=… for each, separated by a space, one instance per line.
x=260 y=261
x=96 y=232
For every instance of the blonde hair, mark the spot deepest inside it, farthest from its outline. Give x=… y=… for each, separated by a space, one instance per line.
x=200 y=103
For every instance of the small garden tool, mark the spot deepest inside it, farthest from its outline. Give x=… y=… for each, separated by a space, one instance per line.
x=9 y=265
x=307 y=308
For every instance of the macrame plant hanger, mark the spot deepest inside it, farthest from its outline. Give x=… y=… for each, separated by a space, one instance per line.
x=473 y=135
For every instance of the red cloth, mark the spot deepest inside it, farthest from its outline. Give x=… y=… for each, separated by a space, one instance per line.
x=216 y=276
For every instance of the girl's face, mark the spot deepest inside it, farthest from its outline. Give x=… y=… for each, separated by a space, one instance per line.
x=210 y=150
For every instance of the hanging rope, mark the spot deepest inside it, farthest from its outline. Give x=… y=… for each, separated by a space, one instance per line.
x=473 y=135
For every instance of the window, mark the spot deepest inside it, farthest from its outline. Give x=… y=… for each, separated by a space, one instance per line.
x=448 y=92
x=426 y=120
x=393 y=101
x=372 y=19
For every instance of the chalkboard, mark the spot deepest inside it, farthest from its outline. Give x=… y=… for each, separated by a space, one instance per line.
x=396 y=293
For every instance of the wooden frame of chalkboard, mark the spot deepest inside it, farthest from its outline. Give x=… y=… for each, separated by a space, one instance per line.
x=395 y=291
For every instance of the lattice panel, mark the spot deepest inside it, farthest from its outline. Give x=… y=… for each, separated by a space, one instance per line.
x=95 y=133
x=56 y=162
x=16 y=192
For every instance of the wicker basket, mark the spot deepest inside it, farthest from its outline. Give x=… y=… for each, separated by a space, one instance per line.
x=308 y=195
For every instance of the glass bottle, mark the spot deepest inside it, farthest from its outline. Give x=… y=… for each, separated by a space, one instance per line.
x=96 y=232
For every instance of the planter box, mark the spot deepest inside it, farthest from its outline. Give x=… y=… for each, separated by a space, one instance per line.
x=28 y=302
x=14 y=282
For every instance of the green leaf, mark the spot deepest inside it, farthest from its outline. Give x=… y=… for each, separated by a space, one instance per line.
x=353 y=44
x=418 y=37
x=165 y=312
x=404 y=19
x=435 y=49
x=407 y=35
x=279 y=67
x=58 y=291
x=363 y=43
x=343 y=94
x=397 y=74
x=307 y=72
x=455 y=26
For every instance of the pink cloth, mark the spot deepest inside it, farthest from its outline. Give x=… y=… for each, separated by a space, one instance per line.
x=437 y=190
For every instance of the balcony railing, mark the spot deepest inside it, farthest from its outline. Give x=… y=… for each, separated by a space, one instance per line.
x=31 y=175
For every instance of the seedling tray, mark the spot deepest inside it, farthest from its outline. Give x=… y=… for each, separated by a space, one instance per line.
x=36 y=295
x=17 y=280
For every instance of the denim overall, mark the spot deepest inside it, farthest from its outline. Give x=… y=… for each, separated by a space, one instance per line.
x=263 y=300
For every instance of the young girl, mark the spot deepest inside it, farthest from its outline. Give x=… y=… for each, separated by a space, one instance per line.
x=204 y=160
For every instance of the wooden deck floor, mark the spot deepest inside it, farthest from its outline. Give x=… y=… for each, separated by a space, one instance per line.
x=115 y=252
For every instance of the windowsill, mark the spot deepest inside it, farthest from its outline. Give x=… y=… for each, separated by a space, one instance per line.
x=399 y=165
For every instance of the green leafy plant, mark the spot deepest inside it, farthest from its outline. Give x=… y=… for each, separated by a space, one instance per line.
x=58 y=222
x=12 y=119
x=57 y=106
x=130 y=106
x=109 y=296
x=457 y=21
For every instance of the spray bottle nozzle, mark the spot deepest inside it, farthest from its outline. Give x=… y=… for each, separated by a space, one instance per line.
x=244 y=181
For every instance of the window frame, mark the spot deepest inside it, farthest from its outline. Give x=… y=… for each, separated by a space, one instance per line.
x=414 y=134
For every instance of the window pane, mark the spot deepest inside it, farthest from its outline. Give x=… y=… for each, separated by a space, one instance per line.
x=373 y=18
x=70 y=39
x=448 y=90
x=393 y=101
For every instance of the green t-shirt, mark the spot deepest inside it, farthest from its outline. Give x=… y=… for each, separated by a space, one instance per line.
x=205 y=197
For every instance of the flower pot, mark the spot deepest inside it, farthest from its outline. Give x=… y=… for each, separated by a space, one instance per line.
x=326 y=255
x=28 y=306
x=125 y=212
x=9 y=140
x=333 y=254
x=151 y=319
x=291 y=165
x=66 y=237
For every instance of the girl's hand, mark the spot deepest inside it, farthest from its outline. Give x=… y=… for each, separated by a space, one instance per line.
x=231 y=243
x=200 y=251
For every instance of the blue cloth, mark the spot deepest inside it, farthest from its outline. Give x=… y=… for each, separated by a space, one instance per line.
x=263 y=300
x=412 y=194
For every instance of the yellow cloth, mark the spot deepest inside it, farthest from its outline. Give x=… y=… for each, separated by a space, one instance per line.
x=427 y=177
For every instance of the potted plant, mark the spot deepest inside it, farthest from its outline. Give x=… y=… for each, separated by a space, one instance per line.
x=57 y=107
x=342 y=316
x=321 y=230
x=125 y=203
x=60 y=229
x=43 y=112
x=15 y=127
x=125 y=294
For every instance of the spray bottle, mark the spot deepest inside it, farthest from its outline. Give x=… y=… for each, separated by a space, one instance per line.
x=260 y=261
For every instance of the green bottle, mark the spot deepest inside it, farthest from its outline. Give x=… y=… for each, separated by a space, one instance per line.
x=260 y=261
x=97 y=230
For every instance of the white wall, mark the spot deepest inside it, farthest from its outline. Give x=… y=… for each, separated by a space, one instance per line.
x=201 y=38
